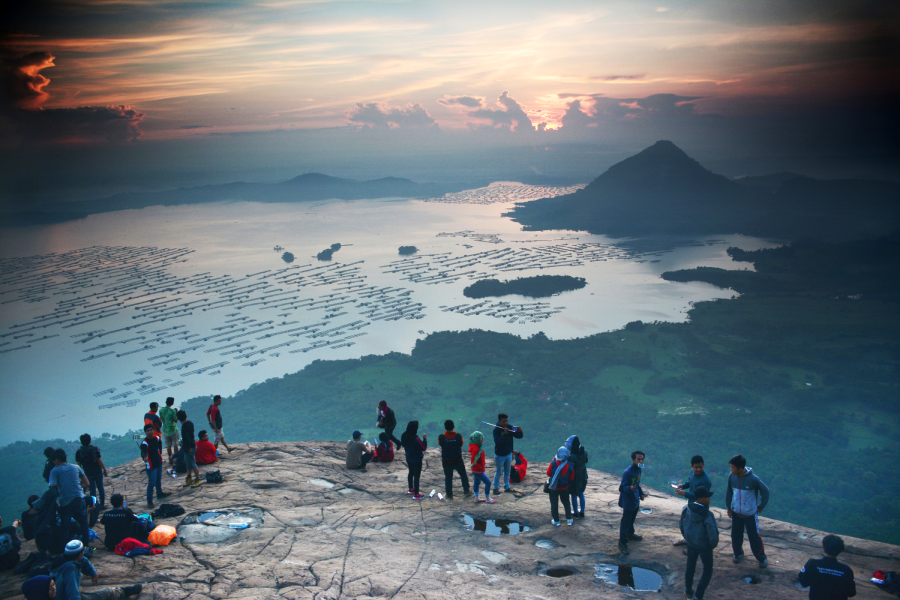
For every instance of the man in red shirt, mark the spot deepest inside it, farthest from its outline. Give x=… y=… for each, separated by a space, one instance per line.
x=206 y=452
x=214 y=416
x=151 y=418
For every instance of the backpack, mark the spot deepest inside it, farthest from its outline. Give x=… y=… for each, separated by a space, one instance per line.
x=6 y=544
x=88 y=458
x=168 y=510
x=142 y=528
x=214 y=477
x=178 y=461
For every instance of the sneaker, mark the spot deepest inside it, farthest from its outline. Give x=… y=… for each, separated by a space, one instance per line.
x=418 y=496
x=467 y=493
x=477 y=499
x=490 y=501
x=448 y=497
x=554 y=523
x=578 y=516
x=188 y=481
x=410 y=492
x=635 y=536
x=506 y=490
x=738 y=558
x=764 y=563
x=197 y=483
x=132 y=590
x=689 y=594
x=496 y=491
x=681 y=542
x=684 y=551
x=163 y=495
x=150 y=504
x=623 y=548
x=569 y=521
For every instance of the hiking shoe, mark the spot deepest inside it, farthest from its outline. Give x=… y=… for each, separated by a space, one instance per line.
x=150 y=505
x=738 y=558
x=163 y=494
x=569 y=521
x=132 y=590
x=418 y=496
x=764 y=563
x=681 y=542
x=490 y=501
x=635 y=536
x=496 y=491
x=623 y=548
x=197 y=483
x=554 y=523
x=188 y=481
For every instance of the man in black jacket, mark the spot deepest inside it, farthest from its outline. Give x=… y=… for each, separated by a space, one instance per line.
x=118 y=522
x=151 y=452
x=189 y=447
x=826 y=578
x=451 y=444
x=387 y=420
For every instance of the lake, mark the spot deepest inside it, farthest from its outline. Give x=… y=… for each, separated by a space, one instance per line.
x=103 y=315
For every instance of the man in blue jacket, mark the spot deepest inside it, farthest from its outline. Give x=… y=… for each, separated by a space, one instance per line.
x=67 y=569
x=746 y=497
x=698 y=526
x=697 y=479
x=504 y=433
x=630 y=496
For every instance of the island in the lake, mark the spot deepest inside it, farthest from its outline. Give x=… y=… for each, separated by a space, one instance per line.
x=408 y=250
x=328 y=252
x=540 y=286
x=287 y=257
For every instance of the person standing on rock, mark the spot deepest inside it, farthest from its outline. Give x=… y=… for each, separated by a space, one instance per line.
x=451 y=444
x=358 y=452
x=504 y=433
x=214 y=416
x=630 y=496
x=151 y=418
x=476 y=449
x=189 y=449
x=88 y=458
x=67 y=484
x=746 y=497
x=387 y=420
x=151 y=453
x=698 y=527
x=415 y=455
x=698 y=478
x=579 y=458
x=826 y=578
x=169 y=417
x=562 y=475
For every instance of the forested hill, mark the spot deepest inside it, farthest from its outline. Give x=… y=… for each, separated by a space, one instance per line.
x=799 y=374
x=661 y=190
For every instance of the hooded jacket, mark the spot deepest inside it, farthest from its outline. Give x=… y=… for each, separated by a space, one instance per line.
x=451 y=444
x=67 y=574
x=698 y=526
x=579 y=460
x=414 y=447
x=741 y=495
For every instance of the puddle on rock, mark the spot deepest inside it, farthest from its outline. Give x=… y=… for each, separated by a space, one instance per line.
x=646 y=511
x=495 y=527
x=636 y=578
x=219 y=526
x=547 y=544
x=752 y=579
x=560 y=572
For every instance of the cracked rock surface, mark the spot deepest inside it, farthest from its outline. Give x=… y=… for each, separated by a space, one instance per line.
x=316 y=530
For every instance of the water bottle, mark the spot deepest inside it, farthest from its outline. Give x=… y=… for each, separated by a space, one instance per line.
x=239 y=525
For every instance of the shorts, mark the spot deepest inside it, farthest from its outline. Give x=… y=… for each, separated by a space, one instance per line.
x=220 y=436
x=172 y=440
x=190 y=459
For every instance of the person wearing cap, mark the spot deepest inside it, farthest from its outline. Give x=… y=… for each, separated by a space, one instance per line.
x=698 y=526
x=66 y=571
x=358 y=452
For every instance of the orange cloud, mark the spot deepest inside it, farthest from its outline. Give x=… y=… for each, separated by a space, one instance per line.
x=25 y=82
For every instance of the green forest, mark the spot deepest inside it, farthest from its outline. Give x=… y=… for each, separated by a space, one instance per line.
x=800 y=374
x=540 y=286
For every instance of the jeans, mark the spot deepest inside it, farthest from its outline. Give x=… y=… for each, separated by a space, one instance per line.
x=706 y=555
x=460 y=467
x=555 y=497
x=504 y=464
x=74 y=510
x=751 y=524
x=96 y=483
x=154 y=478
x=412 y=478
x=626 y=528
x=575 y=499
x=105 y=594
x=482 y=478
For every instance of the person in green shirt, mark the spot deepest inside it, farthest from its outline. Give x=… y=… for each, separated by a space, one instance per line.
x=169 y=417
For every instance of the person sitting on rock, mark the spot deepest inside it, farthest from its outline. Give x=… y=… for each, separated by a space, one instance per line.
x=519 y=468
x=358 y=452
x=118 y=522
x=206 y=452
x=28 y=520
x=827 y=578
x=698 y=527
x=66 y=571
x=9 y=545
x=384 y=451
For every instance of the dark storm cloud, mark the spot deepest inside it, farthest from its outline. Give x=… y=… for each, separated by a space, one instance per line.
x=511 y=115
x=83 y=124
x=466 y=101
x=378 y=115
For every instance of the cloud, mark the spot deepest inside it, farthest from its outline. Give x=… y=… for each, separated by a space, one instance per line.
x=511 y=115
x=619 y=77
x=592 y=110
x=467 y=101
x=376 y=114
x=195 y=127
x=83 y=124
x=24 y=85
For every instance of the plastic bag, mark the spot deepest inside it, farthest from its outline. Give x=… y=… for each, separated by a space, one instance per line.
x=162 y=535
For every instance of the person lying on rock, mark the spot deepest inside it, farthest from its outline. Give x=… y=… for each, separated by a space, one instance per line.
x=358 y=452
x=66 y=571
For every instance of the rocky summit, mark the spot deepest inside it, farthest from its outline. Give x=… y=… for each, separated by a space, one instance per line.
x=317 y=530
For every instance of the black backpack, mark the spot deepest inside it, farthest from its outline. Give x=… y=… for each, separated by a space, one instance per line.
x=88 y=458
x=168 y=510
x=214 y=477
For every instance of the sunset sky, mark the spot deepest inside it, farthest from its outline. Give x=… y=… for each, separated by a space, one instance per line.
x=101 y=95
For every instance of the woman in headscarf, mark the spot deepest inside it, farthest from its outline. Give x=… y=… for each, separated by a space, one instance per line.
x=578 y=457
x=476 y=449
x=415 y=454
x=561 y=474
